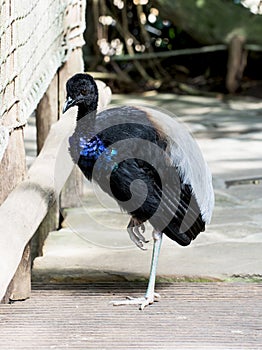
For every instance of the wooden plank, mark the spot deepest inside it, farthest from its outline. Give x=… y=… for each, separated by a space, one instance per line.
x=20 y=286
x=12 y=166
x=49 y=223
x=170 y=53
x=26 y=206
x=73 y=65
x=74 y=183
x=237 y=59
x=46 y=115
x=188 y=316
x=12 y=172
x=47 y=112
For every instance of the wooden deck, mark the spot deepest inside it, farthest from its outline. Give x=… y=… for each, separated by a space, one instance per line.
x=189 y=316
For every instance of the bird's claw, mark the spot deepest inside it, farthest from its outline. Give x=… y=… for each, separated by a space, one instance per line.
x=136 y=236
x=143 y=301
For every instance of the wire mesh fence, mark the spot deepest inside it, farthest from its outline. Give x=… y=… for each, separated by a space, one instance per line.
x=36 y=37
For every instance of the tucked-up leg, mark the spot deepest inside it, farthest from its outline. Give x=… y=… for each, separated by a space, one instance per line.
x=150 y=295
x=134 y=227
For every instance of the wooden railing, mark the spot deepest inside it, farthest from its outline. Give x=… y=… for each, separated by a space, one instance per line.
x=28 y=204
x=40 y=48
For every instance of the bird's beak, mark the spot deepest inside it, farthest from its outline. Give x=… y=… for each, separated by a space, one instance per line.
x=68 y=103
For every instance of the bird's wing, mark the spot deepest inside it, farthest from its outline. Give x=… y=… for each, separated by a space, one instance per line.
x=185 y=155
x=104 y=95
x=181 y=152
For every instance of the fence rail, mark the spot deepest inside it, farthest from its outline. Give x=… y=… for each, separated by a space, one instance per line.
x=40 y=46
x=27 y=205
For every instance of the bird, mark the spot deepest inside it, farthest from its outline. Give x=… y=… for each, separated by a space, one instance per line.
x=149 y=163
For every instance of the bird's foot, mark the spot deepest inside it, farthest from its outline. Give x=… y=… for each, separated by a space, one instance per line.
x=143 y=302
x=135 y=230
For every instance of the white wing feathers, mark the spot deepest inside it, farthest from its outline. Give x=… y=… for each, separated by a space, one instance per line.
x=186 y=156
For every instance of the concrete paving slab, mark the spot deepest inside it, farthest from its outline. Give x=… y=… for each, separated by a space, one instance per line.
x=94 y=244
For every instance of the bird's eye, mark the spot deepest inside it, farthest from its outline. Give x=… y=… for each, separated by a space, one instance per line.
x=84 y=91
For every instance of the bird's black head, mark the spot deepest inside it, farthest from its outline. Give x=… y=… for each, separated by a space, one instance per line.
x=81 y=91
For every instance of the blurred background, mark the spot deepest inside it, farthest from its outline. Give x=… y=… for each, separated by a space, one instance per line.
x=186 y=47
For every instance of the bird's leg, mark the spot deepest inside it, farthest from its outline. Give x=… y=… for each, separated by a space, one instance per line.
x=135 y=235
x=150 y=292
x=150 y=295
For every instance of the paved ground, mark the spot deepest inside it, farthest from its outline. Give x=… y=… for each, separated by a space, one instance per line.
x=94 y=245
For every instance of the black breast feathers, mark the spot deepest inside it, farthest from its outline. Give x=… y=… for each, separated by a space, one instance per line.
x=129 y=156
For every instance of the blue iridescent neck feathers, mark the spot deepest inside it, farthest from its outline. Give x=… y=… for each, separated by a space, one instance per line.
x=89 y=150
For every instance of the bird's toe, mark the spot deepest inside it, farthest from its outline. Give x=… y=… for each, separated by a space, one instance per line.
x=157 y=296
x=137 y=237
x=142 y=301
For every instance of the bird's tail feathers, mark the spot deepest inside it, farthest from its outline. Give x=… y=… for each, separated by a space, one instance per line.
x=186 y=220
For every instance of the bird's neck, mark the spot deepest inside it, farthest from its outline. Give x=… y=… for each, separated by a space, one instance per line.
x=85 y=122
x=87 y=112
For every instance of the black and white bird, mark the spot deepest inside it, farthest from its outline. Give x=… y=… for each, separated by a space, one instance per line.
x=149 y=163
